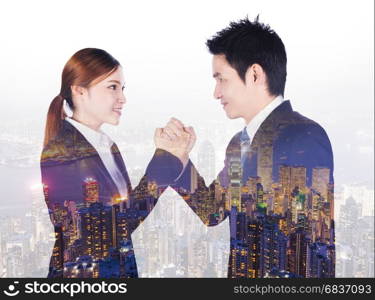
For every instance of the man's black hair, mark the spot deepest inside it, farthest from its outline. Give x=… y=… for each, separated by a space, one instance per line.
x=245 y=43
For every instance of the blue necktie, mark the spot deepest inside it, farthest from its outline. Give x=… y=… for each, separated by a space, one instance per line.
x=245 y=146
x=245 y=149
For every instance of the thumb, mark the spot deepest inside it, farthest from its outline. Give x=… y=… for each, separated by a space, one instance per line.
x=158 y=132
x=192 y=138
x=190 y=130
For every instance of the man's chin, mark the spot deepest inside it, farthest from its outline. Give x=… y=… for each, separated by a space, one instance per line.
x=232 y=116
x=113 y=122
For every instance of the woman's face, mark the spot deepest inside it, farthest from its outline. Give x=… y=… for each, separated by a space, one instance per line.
x=103 y=101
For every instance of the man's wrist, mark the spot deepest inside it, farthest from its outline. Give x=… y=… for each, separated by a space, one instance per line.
x=182 y=156
x=184 y=159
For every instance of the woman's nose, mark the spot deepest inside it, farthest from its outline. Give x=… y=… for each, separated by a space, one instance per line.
x=122 y=98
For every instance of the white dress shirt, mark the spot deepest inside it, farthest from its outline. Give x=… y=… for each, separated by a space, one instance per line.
x=255 y=123
x=102 y=144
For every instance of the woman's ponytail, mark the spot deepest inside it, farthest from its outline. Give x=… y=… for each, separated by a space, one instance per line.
x=55 y=116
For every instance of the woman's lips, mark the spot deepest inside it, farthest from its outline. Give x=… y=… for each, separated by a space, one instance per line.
x=117 y=110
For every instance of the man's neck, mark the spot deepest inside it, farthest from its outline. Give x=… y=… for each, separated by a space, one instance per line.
x=260 y=104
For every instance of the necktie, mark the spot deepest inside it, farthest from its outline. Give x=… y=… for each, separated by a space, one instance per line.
x=245 y=149
x=245 y=146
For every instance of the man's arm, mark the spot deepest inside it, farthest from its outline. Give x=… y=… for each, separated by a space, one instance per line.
x=311 y=148
x=209 y=202
x=165 y=166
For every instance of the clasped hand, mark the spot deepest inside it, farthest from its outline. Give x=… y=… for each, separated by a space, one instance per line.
x=176 y=139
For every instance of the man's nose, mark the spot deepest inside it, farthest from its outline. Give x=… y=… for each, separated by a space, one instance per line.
x=217 y=93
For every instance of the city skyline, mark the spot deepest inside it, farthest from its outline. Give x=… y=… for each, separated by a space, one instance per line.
x=362 y=194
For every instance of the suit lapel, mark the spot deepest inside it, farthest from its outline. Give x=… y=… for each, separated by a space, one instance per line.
x=121 y=165
x=80 y=146
x=263 y=140
x=272 y=123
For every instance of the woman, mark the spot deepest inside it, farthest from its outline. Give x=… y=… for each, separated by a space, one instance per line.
x=91 y=202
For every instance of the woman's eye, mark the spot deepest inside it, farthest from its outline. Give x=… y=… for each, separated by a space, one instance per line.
x=113 y=87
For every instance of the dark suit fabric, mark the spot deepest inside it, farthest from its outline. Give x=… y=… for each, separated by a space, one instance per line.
x=93 y=226
x=279 y=202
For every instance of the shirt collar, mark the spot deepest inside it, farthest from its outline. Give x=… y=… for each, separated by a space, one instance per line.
x=98 y=139
x=255 y=123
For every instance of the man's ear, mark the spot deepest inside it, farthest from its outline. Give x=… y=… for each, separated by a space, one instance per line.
x=255 y=75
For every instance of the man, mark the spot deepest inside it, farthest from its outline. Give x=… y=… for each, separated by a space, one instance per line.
x=277 y=183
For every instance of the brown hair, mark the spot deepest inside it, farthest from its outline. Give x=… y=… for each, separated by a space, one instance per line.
x=82 y=69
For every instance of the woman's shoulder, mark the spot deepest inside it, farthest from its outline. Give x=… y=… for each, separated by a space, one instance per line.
x=67 y=146
x=59 y=148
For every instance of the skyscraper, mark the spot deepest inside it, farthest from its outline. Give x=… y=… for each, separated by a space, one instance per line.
x=320 y=181
x=90 y=190
x=297 y=252
x=95 y=228
x=206 y=160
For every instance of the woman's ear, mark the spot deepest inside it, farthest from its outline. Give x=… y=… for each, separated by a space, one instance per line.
x=78 y=92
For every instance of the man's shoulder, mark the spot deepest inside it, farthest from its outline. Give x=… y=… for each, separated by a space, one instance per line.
x=300 y=134
x=285 y=116
x=303 y=127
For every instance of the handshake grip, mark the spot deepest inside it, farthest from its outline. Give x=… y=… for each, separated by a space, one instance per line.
x=176 y=139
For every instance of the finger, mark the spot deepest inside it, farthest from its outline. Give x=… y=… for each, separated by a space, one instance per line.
x=192 y=139
x=192 y=136
x=165 y=137
x=177 y=122
x=175 y=129
x=184 y=140
x=190 y=130
x=172 y=136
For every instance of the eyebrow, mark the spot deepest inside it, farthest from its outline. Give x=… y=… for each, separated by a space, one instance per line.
x=115 y=81
x=216 y=74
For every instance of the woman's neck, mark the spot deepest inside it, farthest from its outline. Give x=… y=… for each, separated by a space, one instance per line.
x=86 y=121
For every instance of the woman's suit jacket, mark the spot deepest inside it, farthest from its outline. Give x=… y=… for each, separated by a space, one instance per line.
x=93 y=224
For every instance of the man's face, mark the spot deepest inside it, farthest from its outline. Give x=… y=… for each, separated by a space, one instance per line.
x=234 y=94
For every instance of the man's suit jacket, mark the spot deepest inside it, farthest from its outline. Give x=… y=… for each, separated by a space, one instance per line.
x=93 y=222
x=279 y=200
